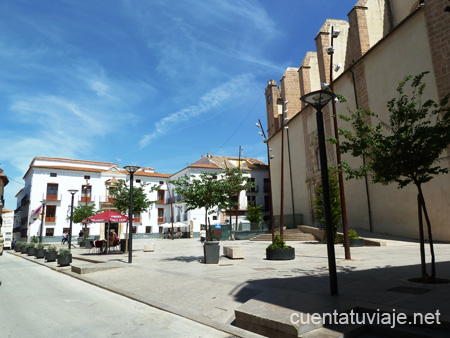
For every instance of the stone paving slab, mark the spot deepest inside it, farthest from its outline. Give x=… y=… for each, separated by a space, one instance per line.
x=173 y=278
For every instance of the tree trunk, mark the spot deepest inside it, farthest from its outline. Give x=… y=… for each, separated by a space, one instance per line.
x=430 y=237
x=422 y=241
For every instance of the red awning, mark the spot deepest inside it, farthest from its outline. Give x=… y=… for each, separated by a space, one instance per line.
x=107 y=216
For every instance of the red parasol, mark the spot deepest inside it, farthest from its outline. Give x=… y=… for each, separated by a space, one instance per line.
x=106 y=216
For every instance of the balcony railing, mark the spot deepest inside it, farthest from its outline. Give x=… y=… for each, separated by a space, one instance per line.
x=89 y=199
x=56 y=197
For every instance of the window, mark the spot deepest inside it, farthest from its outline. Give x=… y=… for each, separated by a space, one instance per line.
x=87 y=177
x=251 y=201
x=52 y=191
x=161 y=182
x=148 y=229
x=266 y=203
x=160 y=196
x=160 y=215
x=50 y=212
x=137 y=218
x=86 y=193
x=111 y=197
x=254 y=188
x=214 y=218
x=138 y=181
x=266 y=185
x=234 y=202
x=49 y=232
x=134 y=230
x=53 y=174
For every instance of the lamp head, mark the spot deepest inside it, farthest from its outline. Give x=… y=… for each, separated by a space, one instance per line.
x=336 y=33
x=257 y=124
x=330 y=50
x=319 y=98
x=73 y=191
x=131 y=168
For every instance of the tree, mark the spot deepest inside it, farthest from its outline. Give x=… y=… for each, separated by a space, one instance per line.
x=121 y=192
x=405 y=150
x=81 y=212
x=206 y=191
x=234 y=182
x=335 y=201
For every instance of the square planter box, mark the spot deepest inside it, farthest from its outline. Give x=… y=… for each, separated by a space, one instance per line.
x=211 y=251
x=64 y=260
x=50 y=256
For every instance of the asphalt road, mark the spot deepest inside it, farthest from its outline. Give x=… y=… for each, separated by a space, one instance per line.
x=38 y=302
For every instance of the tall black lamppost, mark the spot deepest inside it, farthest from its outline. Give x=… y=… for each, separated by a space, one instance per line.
x=318 y=100
x=41 y=228
x=131 y=170
x=72 y=192
x=269 y=157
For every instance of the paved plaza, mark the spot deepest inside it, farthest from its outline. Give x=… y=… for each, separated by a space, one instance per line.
x=174 y=278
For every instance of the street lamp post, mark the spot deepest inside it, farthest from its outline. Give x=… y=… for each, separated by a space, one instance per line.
x=72 y=192
x=41 y=228
x=266 y=141
x=318 y=100
x=334 y=35
x=131 y=170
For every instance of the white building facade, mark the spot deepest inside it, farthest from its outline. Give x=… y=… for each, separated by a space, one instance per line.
x=257 y=172
x=48 y=180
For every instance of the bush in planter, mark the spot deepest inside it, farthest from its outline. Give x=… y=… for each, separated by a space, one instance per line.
x=18 y=246
x=64 y=257
x=23 y=248
x=278 y=250
x=39 y=253
x=31 y=248
x=354 y=239
x=50 y=254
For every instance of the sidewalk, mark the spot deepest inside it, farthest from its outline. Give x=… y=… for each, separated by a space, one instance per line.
x=172 y=278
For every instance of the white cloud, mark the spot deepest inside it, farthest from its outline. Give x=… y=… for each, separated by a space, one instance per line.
x=211 y=100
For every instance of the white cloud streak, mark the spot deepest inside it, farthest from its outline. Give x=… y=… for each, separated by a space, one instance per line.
x=212 y=100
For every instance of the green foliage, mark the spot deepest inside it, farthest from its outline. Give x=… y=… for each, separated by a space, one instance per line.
x=233 y=181
x=63 y=252
x=30 y=245
x=335 y=201
x=278 y=243
x=51 y=248
x=121 y=193
x=83 y=211
x=406 y=149
x=39 y=246
x=254 y=214
x=352 y=234
x=19 y=244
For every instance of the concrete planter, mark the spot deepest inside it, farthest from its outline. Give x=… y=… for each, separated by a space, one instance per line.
x=23 y=249
x=64 y=260
x=356 y=242
x=280 y=254
x=40 y=253
x=211 y=252
x=50 y=256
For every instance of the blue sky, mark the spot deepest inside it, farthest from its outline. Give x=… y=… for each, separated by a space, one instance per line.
x=152 y=83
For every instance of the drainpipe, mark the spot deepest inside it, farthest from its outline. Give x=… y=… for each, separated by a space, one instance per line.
x=364 y=158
